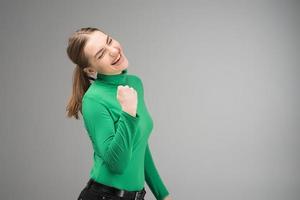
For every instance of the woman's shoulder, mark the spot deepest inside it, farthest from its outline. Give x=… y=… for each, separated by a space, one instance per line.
x=91 y=93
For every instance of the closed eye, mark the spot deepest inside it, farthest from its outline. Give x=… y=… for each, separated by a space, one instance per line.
x=110 y=41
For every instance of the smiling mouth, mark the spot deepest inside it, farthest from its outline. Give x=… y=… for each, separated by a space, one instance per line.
x=118 y=59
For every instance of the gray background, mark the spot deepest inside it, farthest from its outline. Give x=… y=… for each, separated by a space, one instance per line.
x=221 y=82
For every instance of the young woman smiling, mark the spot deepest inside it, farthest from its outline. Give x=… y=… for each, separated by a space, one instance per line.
x=116 y=118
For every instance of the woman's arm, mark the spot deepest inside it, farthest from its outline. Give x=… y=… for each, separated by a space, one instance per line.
x=113 y=146
x=153 y=179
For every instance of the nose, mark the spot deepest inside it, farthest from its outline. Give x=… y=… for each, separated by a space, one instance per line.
x=113 y=51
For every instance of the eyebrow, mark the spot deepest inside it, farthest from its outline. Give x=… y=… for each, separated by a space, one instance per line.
x=101 y=48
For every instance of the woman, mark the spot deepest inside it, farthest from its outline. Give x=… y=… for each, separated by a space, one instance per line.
x=115 y=117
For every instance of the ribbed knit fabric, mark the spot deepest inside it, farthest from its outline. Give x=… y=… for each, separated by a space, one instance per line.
x=122 y=157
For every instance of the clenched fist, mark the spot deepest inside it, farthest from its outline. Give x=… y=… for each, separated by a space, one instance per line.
x=127 y=97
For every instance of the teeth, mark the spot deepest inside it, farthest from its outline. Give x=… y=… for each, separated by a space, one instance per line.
x=117 y=60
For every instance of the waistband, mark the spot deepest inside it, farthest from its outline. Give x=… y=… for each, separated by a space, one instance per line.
x=132 y=195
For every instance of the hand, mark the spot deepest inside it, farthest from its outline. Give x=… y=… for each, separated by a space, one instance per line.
x=168 y=197
x=127 y=97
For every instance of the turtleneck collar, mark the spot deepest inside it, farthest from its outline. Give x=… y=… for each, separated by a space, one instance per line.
x=114 y=79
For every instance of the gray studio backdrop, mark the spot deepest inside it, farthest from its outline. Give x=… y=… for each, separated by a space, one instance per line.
x=221 y=82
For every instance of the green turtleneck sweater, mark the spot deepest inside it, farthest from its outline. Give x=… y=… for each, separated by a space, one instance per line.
x=122 y=156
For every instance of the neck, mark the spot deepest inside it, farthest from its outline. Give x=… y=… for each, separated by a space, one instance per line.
x=114 y=79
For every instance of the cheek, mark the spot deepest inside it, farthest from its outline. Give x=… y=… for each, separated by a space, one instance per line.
x=105 y=60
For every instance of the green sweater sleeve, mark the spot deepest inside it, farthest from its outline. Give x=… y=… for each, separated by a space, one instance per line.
x=112 y=142
x=152 y=177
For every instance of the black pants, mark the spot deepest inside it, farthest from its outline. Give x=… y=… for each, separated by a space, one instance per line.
x=90 y=193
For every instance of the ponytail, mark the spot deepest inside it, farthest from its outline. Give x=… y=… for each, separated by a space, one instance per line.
x=81 y=80
x=81 y=83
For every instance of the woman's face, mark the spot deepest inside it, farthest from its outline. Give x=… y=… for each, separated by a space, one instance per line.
x=105 y=54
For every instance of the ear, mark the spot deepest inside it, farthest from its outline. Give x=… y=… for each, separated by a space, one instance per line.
x=90 y=71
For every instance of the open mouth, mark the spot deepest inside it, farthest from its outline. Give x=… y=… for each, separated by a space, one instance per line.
x=117 y=60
